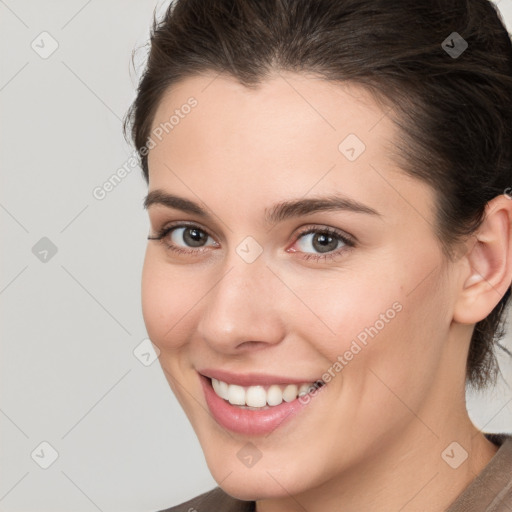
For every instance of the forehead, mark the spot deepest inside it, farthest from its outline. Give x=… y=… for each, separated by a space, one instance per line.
x=293 y=135
x=317 y=106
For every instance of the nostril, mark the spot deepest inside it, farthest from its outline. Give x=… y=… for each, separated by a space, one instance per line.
x=251 y=344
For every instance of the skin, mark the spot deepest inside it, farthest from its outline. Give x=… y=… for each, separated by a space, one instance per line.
x=373 y=438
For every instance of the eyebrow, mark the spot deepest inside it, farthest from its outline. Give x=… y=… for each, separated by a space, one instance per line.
x=277 y=213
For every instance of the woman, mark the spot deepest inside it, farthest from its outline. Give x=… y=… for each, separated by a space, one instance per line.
x=330 y=248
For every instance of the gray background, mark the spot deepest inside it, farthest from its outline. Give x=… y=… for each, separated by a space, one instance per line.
x=71 y=321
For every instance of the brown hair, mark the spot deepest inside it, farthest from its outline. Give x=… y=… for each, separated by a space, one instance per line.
x=454 y=102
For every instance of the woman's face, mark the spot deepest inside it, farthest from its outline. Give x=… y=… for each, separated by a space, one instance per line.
x=256 y=292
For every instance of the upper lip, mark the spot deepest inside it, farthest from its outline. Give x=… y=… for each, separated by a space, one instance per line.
x=251 y=379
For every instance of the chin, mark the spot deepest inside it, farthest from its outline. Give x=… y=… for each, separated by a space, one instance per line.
x=262 y=481
x=248 y=490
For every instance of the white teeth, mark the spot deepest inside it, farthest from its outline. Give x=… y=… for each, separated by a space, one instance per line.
x=223 y=390
x=304 y=388
x=274 y=395
x=290 y=393
x=236 y=395
x=257 y=396
x=215 y=385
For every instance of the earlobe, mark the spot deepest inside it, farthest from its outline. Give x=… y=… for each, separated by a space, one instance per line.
x=487 y=272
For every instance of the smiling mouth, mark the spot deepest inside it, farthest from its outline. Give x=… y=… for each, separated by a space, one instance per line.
x=263 y=404
x=262 y=397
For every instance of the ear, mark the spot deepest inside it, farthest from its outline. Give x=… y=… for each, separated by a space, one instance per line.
x=487 y=266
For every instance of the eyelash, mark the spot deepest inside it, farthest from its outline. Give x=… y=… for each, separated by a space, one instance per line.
x=349 y=241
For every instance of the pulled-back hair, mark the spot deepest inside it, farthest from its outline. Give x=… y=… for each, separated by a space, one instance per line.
x=453 y=110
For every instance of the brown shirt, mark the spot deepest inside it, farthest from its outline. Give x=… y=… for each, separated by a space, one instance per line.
x=490 y=491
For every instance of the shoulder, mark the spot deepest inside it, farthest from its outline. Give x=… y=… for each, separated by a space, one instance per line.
x=491 y=490
x=215 y=500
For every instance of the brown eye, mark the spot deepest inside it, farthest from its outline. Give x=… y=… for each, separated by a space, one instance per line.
x=184 y=238
x=193 y=237
x=320 y=241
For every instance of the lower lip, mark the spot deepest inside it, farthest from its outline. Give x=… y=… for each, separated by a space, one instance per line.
x=248 y=421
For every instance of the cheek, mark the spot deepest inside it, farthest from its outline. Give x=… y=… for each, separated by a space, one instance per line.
x=392 y=357
x=349 y=309
x=395 y=307
x=169 y=295
x=379 y=333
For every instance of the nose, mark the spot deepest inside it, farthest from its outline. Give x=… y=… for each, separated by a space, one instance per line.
x=241 y=311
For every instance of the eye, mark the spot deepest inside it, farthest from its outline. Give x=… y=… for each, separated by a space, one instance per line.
x=327 y=242
x=184 y=238
x=191 y=239
x=192 y=236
